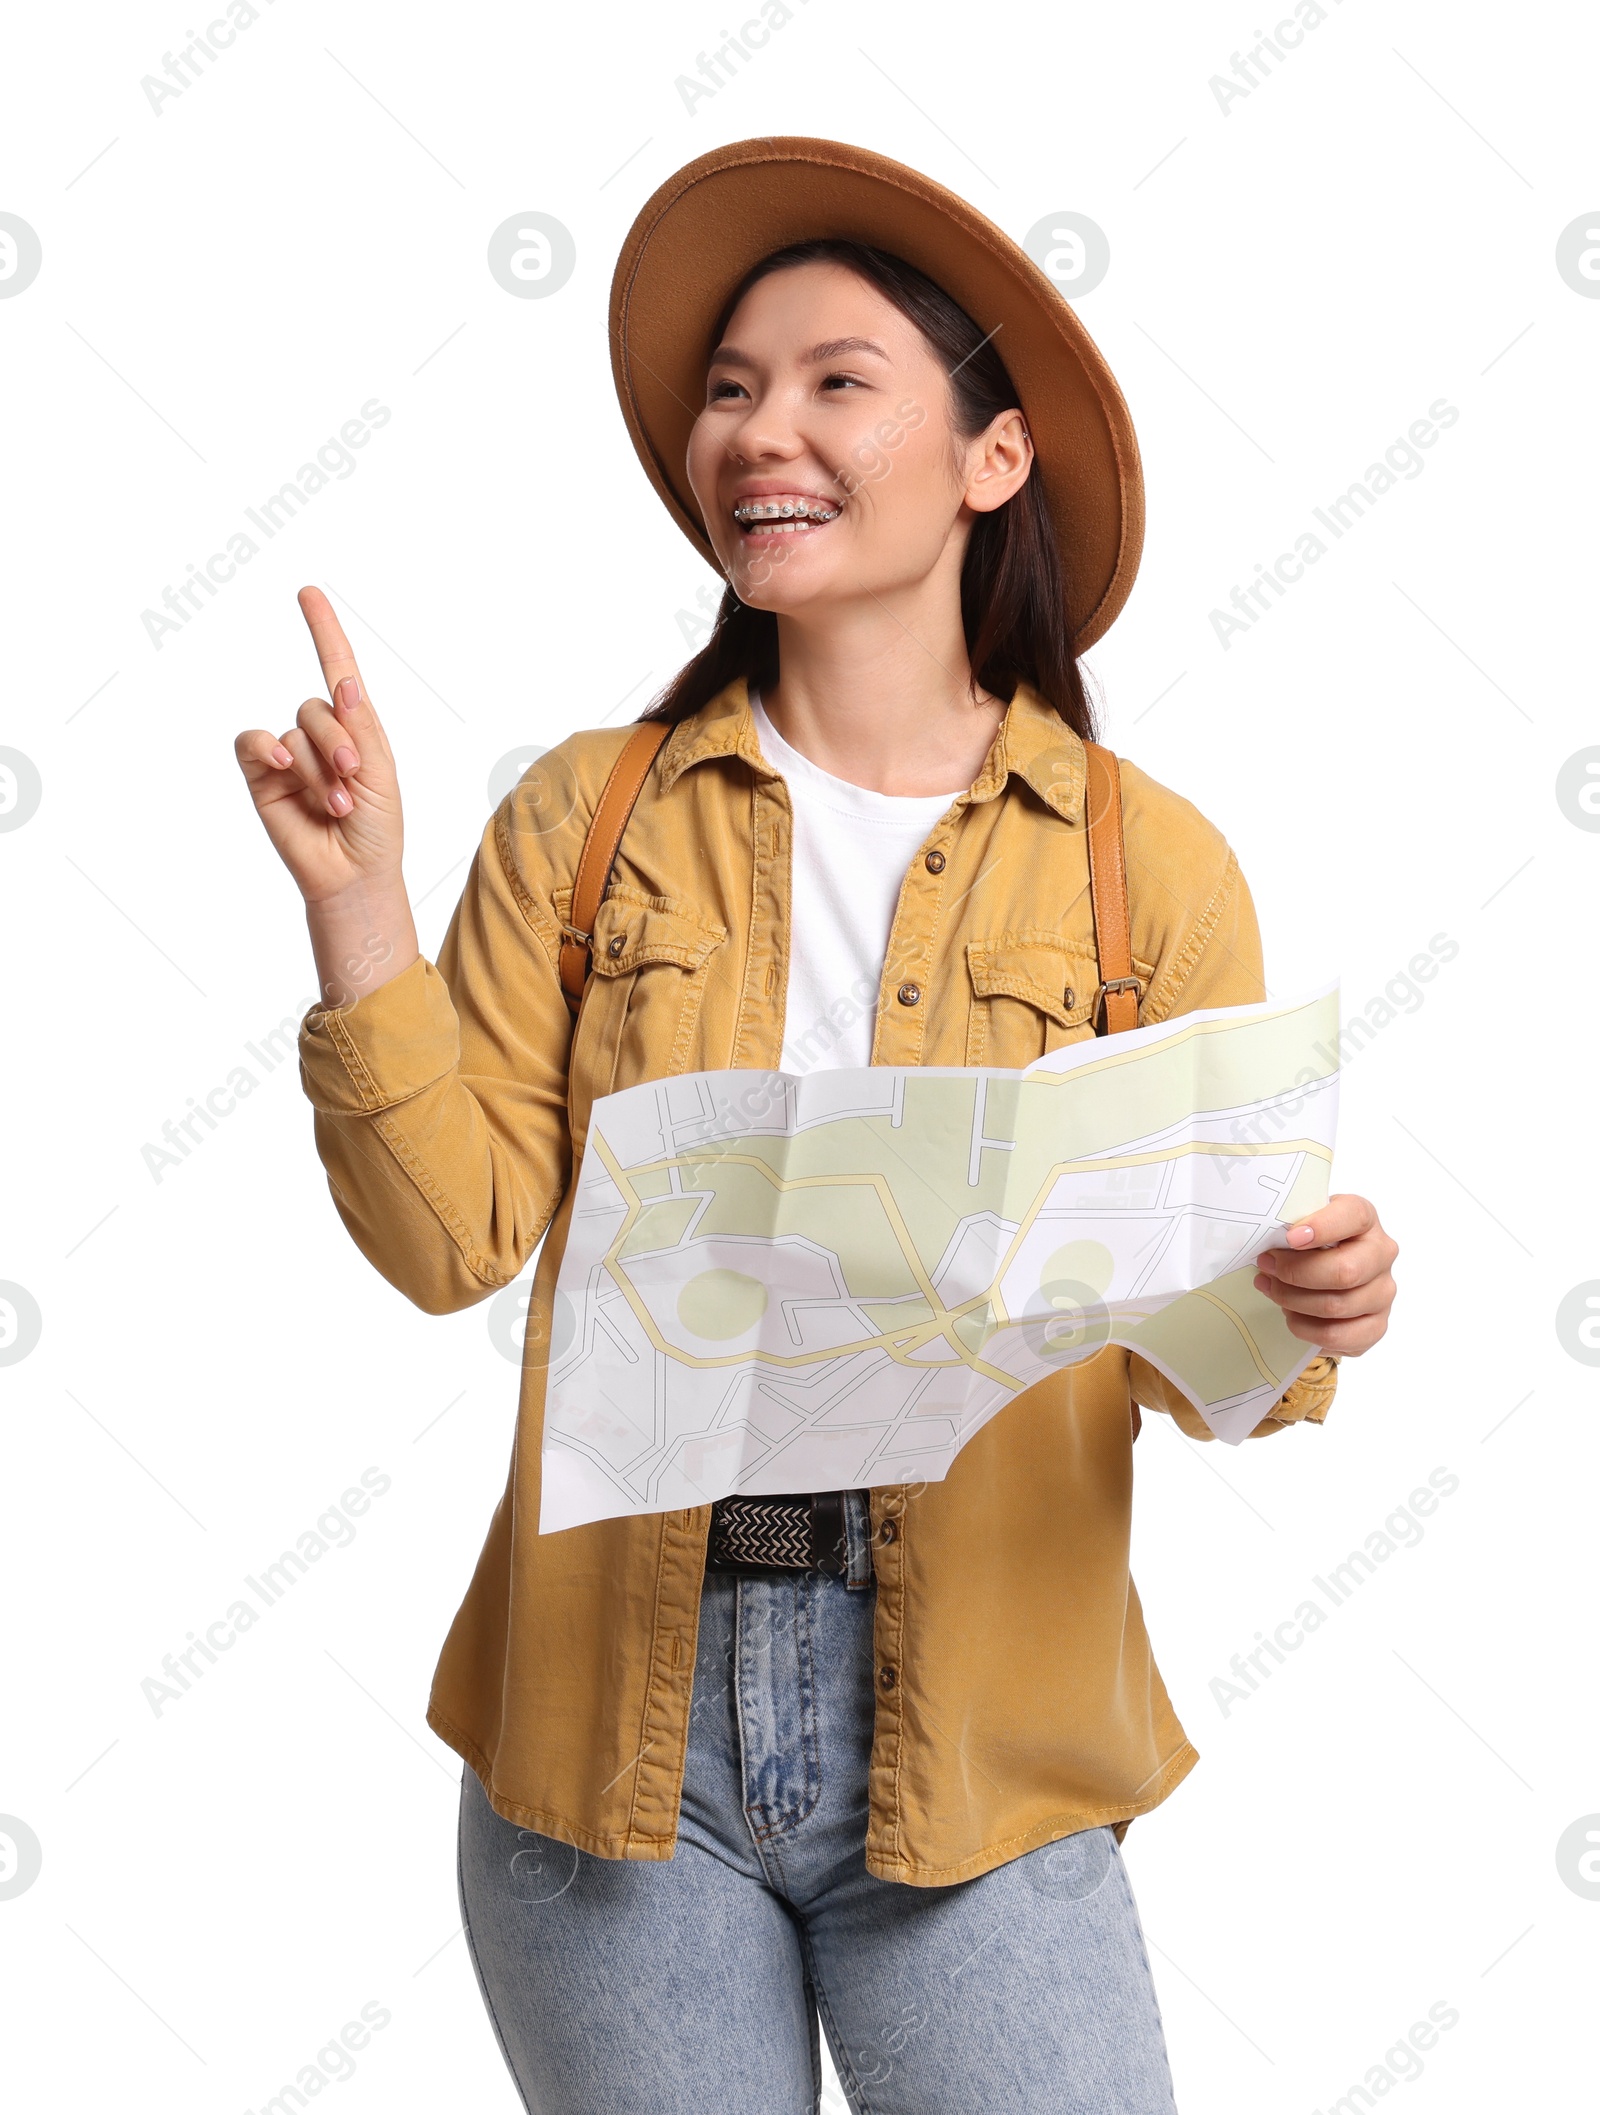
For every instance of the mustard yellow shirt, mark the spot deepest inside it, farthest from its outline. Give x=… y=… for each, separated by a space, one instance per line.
x=1017 y=1699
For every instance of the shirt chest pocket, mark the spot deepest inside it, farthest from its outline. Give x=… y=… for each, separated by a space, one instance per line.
x=649 y=963
x=1032 y=991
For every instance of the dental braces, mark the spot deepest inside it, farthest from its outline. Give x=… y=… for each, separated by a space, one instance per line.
x=785 y=510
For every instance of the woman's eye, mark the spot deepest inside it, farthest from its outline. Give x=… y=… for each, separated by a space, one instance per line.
x=722 y=389
x=841 y=381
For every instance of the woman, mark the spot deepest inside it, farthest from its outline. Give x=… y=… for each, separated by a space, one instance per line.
x=729 y=1771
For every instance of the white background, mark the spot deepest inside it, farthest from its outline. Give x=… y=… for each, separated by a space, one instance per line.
x=1292 y=283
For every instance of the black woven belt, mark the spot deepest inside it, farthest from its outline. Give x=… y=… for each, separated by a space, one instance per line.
x=803 y=1532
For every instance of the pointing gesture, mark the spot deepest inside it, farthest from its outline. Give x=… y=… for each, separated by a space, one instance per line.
x=326 y=790
x=329 y=798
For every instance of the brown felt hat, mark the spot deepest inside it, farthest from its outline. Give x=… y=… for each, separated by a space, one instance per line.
x=707 y=225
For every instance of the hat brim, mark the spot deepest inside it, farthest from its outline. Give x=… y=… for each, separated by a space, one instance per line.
x=714 y=219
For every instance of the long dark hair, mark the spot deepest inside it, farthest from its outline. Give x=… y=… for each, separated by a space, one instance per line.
x=1013 y=600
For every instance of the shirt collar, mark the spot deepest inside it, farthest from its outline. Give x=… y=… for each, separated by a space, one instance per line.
x=723 y=726
x=1036 y=743
x=1033 y=741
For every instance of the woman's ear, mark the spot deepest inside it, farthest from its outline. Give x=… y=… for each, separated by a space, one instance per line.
x=998 y=462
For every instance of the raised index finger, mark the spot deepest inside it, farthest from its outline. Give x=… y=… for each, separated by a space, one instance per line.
x=333 y=648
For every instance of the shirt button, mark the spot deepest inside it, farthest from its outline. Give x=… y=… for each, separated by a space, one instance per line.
x=909 y=994
x=886 y=1677
x=615 y=947
x=886 y=1532
x=934 y=862
x=1068 y=998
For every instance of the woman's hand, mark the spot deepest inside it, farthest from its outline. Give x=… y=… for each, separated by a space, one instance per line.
x=330 y=800
x=327 y=790
x=1333 y=1281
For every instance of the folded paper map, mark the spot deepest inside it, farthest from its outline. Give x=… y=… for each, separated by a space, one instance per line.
x=781 y=1283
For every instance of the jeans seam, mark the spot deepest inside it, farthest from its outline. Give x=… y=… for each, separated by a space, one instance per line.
x=843 y=2063
x=813 y=2053
x=811 y=1727
x=477 y=1969
x=1150 y=1979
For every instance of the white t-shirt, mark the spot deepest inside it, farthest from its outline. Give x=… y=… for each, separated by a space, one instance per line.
x=851 y=851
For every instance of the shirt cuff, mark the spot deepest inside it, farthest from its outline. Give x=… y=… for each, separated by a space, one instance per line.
x=1308 y=1398
x=381 y=1048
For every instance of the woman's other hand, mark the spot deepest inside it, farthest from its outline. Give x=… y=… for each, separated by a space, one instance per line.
x=326 y=788
x=328 y=795
x=1333 y=1282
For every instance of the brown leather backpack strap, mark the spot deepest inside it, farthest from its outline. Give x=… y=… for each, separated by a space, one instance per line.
x=1108 y=888
x=599 y=852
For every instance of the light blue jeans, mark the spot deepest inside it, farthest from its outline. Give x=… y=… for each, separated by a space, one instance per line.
x=693 y=1985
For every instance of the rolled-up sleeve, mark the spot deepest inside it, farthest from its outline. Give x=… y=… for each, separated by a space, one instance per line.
x=441 y=1097
x=1306 y=1401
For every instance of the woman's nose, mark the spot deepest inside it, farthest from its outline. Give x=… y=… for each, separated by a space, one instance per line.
x=767 y=431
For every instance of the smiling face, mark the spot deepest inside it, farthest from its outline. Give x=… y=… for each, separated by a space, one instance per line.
x=824 y=462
